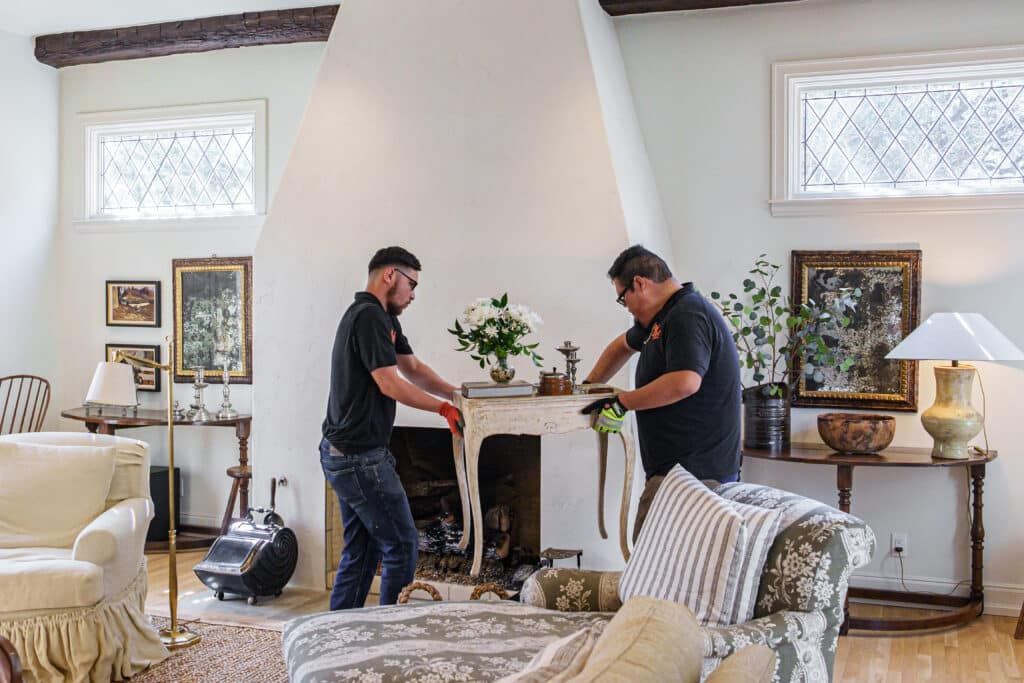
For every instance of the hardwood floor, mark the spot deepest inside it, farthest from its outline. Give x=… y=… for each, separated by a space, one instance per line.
x=197 y=602
x=982 y=651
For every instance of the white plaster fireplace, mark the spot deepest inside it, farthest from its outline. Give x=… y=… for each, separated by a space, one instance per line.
x=495 y=140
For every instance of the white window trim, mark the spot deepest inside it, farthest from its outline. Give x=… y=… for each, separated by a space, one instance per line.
x=93 y=123
x=790 y=78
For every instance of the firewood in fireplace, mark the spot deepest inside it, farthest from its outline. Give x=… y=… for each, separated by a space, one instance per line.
x=430 y=487
x=498 y=518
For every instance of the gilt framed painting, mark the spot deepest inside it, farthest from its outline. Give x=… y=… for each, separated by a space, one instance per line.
x=213 y=318
x=888 y=310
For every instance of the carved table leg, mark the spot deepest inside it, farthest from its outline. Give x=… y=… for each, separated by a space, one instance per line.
x=92 y=426
x=103 y=428
x=627 y=488
x=460 y=474
x=602 y=476
x=978 y=537
x=242 y=432
x=472 y=449
x=844 y=482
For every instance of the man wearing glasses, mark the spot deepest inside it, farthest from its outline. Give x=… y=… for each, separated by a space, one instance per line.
x=372 y=367
x=687 y=394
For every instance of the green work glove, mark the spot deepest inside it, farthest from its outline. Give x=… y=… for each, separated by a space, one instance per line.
x=611 y=417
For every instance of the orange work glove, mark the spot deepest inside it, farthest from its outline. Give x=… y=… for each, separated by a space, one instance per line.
x=454 y=417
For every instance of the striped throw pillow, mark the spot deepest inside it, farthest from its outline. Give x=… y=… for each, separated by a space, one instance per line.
x=762 y=525
x=691 y=550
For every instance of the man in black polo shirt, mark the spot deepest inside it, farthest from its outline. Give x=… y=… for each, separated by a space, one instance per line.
x=369 y=352
x=687 y=394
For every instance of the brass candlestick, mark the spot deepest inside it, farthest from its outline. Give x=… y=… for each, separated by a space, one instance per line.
x=175 y=636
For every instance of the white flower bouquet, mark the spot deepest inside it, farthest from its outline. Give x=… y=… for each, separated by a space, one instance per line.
x=491 y=330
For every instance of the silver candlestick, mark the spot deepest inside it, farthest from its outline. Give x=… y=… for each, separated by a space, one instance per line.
x=226 y=411
x=568 y=349
x=198 y=412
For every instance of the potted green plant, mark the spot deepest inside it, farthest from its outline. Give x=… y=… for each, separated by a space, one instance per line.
x=772 y=335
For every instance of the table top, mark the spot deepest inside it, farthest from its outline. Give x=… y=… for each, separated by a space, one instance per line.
x=820 y=454
x=143 y=418
x=579 y=396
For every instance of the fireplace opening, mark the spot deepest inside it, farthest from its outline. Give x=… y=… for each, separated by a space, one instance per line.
x=509 y=497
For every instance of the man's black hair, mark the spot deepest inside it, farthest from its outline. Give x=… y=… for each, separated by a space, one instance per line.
x=394 y=256
x=638 y=261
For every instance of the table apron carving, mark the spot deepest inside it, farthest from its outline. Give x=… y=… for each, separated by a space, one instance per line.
x=536 y=415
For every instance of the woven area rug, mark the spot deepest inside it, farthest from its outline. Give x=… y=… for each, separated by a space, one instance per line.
x=226 y=653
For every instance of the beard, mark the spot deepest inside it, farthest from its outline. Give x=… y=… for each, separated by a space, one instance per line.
x=392 y=306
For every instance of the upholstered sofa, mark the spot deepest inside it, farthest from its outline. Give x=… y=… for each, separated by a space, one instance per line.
x=798 y=612
x=74 y=510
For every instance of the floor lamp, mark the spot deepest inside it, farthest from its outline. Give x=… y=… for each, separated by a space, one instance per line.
x=112 y=385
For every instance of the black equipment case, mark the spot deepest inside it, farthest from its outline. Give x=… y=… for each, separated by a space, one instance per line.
x=252 y=559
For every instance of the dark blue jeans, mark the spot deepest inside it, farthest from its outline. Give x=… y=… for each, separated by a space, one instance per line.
x=378 y=525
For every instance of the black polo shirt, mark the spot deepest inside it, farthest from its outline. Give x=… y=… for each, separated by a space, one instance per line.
x=359 y=416
x=700 y=432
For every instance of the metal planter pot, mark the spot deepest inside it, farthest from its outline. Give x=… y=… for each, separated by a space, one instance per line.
x=765 y=420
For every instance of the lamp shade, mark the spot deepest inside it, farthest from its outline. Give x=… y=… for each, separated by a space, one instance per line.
x=113 y=384
x=956 y=336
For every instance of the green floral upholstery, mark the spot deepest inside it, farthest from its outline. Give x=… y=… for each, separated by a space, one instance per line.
x=799 y=610
x=800 y=598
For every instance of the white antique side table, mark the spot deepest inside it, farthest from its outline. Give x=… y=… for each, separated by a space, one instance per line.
x=537 y=415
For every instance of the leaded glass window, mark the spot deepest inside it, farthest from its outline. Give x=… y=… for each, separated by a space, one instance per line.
x=920 y=138
x=930 y=131
x=203 y=161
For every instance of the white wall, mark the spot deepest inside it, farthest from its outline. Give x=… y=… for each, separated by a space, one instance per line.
x=29 y=306
x=474 y=135
x=702 y=87
x=282 y=75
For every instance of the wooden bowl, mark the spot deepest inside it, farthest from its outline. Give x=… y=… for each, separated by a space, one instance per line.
x=856 y=433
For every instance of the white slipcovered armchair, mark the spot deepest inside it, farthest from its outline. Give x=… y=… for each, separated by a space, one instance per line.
x=74 y=510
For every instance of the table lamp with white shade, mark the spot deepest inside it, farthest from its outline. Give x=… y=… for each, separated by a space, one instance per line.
x=114 y=385
x=952 y=421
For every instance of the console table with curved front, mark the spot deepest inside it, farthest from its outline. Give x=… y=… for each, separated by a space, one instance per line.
x=964 y=608
x=534 y=415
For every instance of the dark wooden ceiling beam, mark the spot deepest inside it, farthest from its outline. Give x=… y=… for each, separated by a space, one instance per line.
x=620 y=7
x=308 y=24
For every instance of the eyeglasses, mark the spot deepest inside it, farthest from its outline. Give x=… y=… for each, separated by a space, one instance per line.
x=621 y=299
x=412 y=283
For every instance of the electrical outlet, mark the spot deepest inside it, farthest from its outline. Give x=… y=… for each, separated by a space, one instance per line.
x=900 y=543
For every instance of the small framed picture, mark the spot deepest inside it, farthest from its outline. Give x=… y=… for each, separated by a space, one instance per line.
x=146 y=379
x=133 y=303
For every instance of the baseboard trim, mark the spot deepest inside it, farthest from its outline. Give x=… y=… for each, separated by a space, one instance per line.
x=1001 y=599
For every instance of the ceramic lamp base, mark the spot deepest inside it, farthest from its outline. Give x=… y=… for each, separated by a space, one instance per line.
x=952 y=421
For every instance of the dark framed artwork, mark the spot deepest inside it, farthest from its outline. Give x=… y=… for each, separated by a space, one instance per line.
x=146 y=379
x=213 y=318
x=889 y=309
x=133 y=303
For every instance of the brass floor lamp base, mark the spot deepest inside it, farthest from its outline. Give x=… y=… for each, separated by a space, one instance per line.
x=179 y=639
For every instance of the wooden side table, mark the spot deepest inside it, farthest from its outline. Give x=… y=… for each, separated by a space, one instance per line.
x=536 y=415
x=965 y=608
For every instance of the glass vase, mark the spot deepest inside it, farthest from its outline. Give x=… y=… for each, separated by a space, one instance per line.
x=502 y=372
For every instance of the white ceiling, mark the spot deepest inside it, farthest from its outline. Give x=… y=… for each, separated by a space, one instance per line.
x=36 y=17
